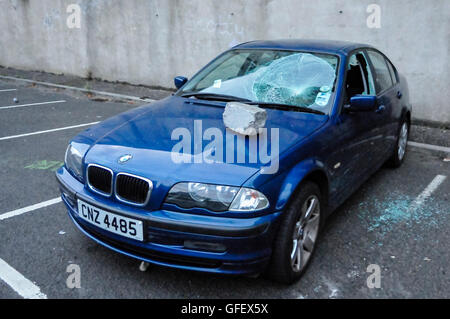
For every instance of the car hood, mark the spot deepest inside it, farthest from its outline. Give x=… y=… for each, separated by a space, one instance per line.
x=146 y=134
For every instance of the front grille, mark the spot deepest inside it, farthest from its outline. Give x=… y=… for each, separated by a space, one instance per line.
x=133 y=189
x=100 y=179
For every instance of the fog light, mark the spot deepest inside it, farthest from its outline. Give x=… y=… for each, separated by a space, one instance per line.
x=203 y=246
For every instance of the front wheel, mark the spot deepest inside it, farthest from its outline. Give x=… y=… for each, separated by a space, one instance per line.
x=297 y=236
x=402 y=142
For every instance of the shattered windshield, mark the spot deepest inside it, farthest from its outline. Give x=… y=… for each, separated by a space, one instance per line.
x=300 y=79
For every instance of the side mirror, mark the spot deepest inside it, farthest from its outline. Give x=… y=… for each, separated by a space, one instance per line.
x=180 y=81
x=362 y=103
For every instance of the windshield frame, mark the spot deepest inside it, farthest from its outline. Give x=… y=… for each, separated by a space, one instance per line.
x=334 y=94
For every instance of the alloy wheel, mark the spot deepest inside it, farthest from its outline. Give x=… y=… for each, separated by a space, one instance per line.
x=403 y=141
x=305 y=233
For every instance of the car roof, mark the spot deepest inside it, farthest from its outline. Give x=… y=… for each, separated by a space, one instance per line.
x=326 y=46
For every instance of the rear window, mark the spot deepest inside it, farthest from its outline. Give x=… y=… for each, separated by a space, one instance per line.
x=392 y=71
x=383 y=80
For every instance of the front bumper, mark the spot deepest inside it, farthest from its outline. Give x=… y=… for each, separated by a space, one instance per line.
x=179 y=240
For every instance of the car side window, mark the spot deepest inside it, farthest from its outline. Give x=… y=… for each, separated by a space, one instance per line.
x=383 y=80
x=359 y=77
x=392 y=71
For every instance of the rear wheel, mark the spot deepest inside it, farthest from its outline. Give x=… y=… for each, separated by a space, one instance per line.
x=402 y=142
x=296 y=240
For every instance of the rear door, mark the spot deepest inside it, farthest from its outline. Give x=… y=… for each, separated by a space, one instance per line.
x=386 y=89
x=393 y=125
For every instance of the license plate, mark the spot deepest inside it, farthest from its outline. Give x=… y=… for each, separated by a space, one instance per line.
x=116 y=224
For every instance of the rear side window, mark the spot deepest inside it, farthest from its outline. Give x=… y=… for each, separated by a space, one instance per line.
x=383 y=80
x=392 y=71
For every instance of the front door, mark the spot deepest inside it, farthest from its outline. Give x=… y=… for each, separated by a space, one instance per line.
x=359 y=134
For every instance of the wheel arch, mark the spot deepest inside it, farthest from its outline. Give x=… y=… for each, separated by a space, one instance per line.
x=307 y=171
x=406 y=114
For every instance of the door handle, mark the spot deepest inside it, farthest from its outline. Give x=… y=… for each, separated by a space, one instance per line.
x=399 y=95
x=380 y=109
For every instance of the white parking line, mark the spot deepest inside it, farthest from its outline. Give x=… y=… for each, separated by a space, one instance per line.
x=430 y=147
x=435 y=183
x=8 y=90
x=30 y=208
x=47 y=131
x=19 y=283
x=30 y=104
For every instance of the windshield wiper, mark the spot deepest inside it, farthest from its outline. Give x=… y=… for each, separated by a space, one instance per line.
x=230 y=98
x=287 y=107
x=215 y=96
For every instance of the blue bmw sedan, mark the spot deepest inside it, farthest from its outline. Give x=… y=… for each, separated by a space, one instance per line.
x=176 y=184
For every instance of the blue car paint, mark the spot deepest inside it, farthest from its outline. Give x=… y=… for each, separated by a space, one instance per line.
x=342 y=149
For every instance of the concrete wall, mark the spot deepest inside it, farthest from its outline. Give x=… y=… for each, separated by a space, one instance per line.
x=151 y=41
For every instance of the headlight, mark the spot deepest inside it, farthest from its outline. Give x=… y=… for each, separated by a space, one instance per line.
x=217 y=198
x=74 y=159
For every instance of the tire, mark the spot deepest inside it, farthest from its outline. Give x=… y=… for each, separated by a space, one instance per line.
x=399 y=154
x=282 y=267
